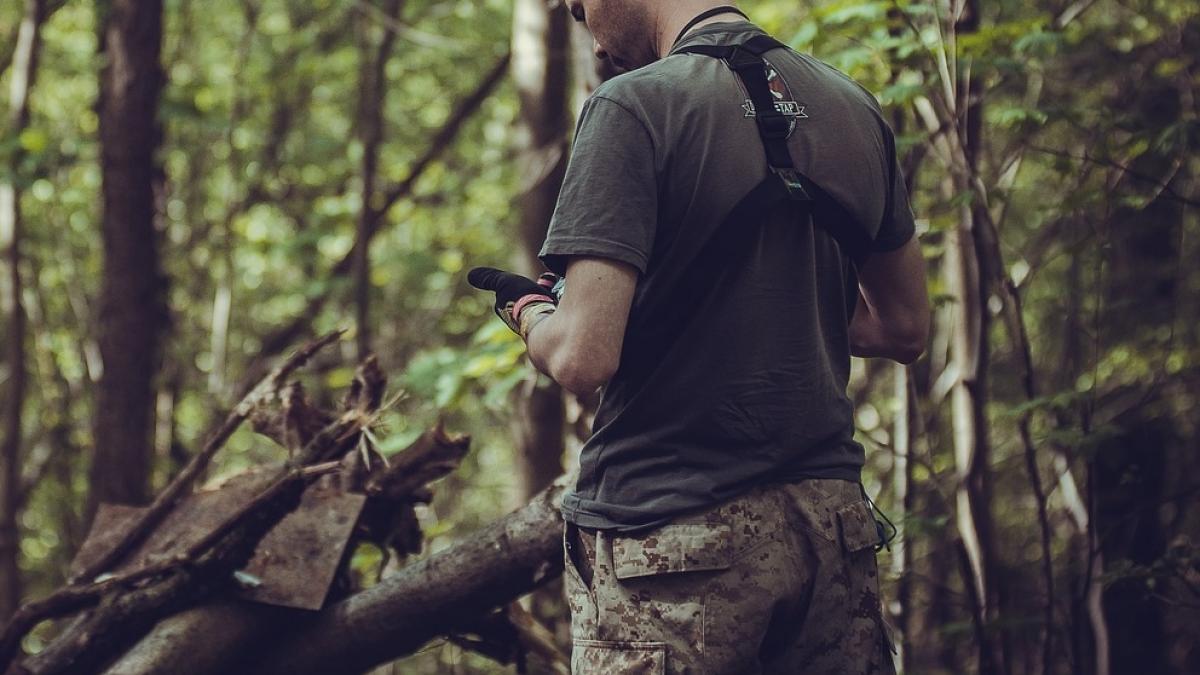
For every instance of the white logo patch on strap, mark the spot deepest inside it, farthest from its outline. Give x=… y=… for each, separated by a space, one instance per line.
x=785 y=103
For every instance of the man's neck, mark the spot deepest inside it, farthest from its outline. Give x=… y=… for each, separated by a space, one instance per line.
x=676 y=15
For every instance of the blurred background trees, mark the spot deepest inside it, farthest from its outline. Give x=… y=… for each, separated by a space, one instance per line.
x=189 y=189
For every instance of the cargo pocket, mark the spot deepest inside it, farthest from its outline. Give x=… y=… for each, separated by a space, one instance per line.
x=662 y=578
x=856 y=526
x=605 y=657
x=860 y=538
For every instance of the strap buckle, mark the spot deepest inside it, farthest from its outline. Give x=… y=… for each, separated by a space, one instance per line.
x=791 y=181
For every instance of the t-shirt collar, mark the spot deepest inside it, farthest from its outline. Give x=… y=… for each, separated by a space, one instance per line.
x=731 y=26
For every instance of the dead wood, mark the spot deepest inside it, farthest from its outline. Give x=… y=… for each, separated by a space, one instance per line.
x=426 y=599
x=261 y=394
x=129 y=604
x=296 y=424
x=202 y=639
x=158 y=609
x=127 y=611
x=450 y=593
x=434 y=455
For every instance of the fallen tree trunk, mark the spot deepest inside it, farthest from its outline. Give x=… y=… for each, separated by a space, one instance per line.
x=157 y=591
x=440 y=595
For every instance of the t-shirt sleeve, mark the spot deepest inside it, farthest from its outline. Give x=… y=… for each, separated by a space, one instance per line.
x=898 y=226
x=608 y=205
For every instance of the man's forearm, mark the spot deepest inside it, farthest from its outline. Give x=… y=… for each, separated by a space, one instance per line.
x=574 y=336
x=540 y=342
x=549 y=345
x=871 y=338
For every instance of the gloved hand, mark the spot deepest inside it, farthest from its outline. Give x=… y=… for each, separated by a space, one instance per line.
x=519 y=300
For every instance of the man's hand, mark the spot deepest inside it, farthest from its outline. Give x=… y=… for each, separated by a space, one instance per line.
x=519 y=300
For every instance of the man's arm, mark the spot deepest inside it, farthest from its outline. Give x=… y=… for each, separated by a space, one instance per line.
x=892 y=318
x=579 y=345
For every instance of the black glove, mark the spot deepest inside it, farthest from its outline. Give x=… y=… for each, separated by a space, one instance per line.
x=515 y=294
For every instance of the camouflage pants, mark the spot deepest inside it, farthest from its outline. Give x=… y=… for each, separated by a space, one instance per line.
x=780 y=580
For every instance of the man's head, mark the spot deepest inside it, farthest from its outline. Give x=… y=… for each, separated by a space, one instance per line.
x=634 y=33
x=624 y=30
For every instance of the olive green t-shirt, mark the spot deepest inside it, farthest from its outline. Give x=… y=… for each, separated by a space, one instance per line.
x=754 y=390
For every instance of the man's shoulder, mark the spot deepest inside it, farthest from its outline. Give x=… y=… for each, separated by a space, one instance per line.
x=668 y=78
x=833 y=79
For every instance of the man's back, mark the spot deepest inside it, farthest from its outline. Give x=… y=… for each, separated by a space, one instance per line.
x=753 y=388
x=723 y=526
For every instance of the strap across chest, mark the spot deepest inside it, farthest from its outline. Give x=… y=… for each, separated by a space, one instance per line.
x=774 y=126
x=675 y=308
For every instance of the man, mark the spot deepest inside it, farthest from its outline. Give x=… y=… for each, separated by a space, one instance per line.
x=718 y=524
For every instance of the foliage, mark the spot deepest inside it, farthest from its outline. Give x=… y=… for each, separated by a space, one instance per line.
x=1088 y=151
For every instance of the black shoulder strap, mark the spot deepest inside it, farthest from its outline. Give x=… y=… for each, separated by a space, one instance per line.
x=746 y=61
x=649 y=337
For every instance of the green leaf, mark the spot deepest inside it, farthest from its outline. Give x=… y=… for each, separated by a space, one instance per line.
x=1013 y=116
x=34 y=140
x=900 y=93
x=805 y=36
x=840 y=13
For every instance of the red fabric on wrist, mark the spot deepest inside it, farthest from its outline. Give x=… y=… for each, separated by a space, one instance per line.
x=526 y=300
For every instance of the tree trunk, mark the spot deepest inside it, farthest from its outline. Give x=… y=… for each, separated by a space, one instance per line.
x=539 y=69
x=970 y=278
x=372 y=95
x=436 y=596
x=902 y=476
x=25 y=58
x=1090 y=558
x=133 y=297
x=971 y=444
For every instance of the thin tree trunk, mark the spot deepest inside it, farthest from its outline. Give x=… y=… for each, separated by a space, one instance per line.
x=8 y=45
x=168 y=450
x=25 y=61
x=902 y=473
x=1092 y=595
x=539 y=69
x=971 y=444
x=133 y=297
x=372 y=89
x=222 y=308
x=969 y=278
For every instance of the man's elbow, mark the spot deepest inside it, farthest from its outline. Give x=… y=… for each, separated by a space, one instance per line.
x=909 y=342
x=908 y=354
x=582 y=375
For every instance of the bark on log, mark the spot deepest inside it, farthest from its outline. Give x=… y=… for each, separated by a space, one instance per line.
x=202 y=640
x=432 y=597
